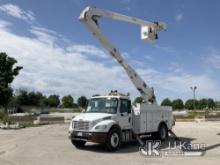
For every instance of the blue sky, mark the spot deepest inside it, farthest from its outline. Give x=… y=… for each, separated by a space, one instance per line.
x=60 y=55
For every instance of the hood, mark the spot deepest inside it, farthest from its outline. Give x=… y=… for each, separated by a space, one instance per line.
x=91 y=116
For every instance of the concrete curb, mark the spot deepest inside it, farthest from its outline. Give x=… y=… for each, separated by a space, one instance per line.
x=197 y=119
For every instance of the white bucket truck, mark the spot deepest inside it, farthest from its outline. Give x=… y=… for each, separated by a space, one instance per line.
x=112 y=119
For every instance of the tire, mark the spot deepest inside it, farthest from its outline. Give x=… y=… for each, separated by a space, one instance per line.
x=113 y=141
x=78 y=143
x=162 y=133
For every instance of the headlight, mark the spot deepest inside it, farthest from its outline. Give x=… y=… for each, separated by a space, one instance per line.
x=101 y=127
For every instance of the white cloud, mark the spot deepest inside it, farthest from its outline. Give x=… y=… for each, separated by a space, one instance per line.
x=175 y=67
x=214 y=59
x=51 y=68
x=179 y=17
x=44 y=35
x=148 y=57
x=17 y=12
x=181 y=83
x=4 y=24
x=178 y=84
x=167 y=49
x=88 y=50
x=59 y=70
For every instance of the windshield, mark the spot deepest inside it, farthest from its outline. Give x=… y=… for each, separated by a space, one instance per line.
x=103 y=105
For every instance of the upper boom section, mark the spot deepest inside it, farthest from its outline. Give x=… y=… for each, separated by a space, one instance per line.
x=112 y=15
x=149 y=31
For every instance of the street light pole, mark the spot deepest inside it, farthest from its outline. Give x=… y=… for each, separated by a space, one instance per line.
x=194 y=96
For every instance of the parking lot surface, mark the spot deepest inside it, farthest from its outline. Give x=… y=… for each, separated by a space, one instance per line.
x=49 y=145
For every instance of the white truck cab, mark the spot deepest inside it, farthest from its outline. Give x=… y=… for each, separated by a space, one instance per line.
x=112 y=119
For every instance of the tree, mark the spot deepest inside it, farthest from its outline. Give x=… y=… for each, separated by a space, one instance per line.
x=44 y=101
x=166 y=102
x=67 y=101
x=35 y=98
x=8 y=71
x=22 y=97
x=217 y=104
x=211 y=103
x=138 y=100
x=53 y=100
x=31 y=98
x=202 y=104
x=82 y=101
x=177 y=104
x=189 y=104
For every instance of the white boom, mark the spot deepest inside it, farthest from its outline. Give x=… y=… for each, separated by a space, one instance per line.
x=149 y=31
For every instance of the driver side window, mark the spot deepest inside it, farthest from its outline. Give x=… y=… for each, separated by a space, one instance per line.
x=125 y=106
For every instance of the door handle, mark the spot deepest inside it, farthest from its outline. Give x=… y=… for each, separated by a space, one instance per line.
x=129 y=119
x=124 y=114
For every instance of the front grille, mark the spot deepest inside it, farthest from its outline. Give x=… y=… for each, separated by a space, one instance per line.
x=81 y=125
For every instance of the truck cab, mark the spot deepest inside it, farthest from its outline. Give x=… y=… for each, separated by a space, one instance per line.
x=104 y=115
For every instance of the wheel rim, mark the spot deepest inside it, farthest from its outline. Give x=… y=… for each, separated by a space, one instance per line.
x=114 y=140
x=163 y=132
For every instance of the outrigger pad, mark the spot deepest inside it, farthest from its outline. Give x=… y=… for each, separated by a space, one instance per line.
x=138 y=139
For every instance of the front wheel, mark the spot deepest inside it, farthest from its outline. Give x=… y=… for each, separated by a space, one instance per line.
x=113 y=140
x=78 y=143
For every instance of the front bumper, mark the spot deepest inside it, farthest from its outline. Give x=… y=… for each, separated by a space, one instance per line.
x=97 y=137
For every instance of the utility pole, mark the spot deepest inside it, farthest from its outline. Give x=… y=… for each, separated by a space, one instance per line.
x=194 y=96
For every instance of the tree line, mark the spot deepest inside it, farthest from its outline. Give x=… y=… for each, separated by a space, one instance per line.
x=25 y=98
x=188 y=104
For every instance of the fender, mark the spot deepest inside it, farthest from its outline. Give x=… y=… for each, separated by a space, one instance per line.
x=116 y=126
x=162 y=122
x=108 y=123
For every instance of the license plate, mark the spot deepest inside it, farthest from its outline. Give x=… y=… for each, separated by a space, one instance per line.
x=79 y=134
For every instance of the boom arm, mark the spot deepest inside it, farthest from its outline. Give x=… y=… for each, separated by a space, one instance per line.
x=90 y=17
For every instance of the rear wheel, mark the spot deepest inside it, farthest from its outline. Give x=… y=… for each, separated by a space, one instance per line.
x=162 y=133
x=113 y=140
x=78 y=143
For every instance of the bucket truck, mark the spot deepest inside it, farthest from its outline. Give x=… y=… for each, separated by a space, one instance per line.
x=112 y=119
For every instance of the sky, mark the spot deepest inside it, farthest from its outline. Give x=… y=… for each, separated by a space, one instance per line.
x=60 y=56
